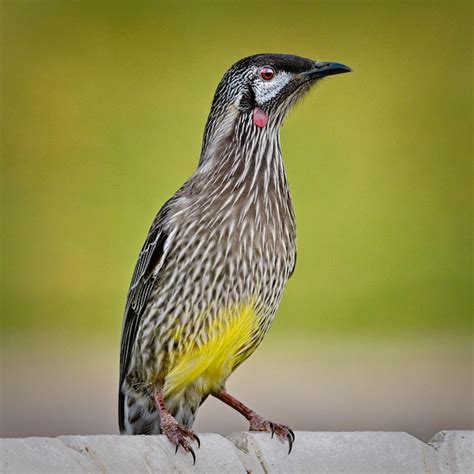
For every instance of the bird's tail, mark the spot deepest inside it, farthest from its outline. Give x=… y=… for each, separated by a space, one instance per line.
x=138 y=415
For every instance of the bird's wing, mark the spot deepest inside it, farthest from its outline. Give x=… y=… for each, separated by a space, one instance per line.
x=148 y=265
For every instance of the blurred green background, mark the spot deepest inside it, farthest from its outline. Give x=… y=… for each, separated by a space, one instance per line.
x=103 y=109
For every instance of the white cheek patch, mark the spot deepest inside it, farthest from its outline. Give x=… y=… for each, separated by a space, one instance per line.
x=267 y=90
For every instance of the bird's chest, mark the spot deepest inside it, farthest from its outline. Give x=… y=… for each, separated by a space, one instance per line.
x=266 y=244
x=247 y=252
x=219 y=290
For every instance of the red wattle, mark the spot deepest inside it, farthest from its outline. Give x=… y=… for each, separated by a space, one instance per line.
x=260 y=118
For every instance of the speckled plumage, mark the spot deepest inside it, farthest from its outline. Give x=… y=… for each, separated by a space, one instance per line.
x=212 y=271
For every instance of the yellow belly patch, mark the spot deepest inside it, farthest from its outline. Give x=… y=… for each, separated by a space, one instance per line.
x=208 y=364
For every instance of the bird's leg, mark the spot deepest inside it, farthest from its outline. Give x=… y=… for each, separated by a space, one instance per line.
x=175 y=432
x=257 y=423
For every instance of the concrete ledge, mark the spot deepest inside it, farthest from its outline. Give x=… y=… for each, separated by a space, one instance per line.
x=455 y=450
x=357 y=452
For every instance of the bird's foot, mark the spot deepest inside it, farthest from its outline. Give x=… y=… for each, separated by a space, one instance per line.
x=284 y=433
x=179 y=435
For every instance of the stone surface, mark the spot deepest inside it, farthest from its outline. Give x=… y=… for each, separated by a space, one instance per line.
x=116 y=454
x=364 y=452
x=455 y=450
x=331 y=452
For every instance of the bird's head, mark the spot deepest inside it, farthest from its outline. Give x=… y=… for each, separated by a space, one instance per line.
x=258 y=91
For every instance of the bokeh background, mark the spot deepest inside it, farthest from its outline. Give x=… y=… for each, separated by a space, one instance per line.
x=103 y=108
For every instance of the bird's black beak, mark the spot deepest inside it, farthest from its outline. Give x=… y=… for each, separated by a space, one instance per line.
x=322 y=69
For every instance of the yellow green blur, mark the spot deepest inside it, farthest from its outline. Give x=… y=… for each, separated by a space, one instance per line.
x=103 y=109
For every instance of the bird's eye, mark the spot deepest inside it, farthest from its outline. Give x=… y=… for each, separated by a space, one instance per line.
x=267 y=73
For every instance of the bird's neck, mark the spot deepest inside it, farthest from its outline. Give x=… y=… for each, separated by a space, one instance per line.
x=237 y=151
x=242 y=170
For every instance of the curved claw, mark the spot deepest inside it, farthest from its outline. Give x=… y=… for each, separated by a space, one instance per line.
x=180 y=440
x=193 y=454
x=196 y=438
x=290 y=442
x=283 y=432
x=187 y=447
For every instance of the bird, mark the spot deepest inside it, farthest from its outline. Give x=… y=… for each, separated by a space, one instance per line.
x=211 y=273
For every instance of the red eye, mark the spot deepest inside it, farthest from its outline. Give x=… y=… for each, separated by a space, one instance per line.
x=267 y=73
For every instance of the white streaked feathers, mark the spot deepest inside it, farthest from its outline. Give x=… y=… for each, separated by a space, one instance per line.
x=233 y=240
x=230 y=237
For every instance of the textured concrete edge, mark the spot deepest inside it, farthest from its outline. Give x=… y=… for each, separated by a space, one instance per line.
x=368 y=452
x=447 y=452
